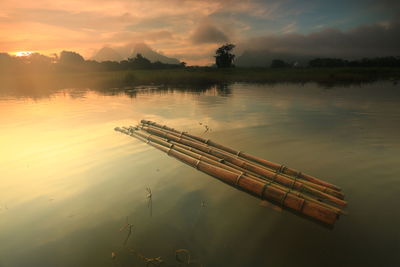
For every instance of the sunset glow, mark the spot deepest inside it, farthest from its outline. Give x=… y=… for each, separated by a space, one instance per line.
x=22 y=53
x=108 y=109
x=191 y=30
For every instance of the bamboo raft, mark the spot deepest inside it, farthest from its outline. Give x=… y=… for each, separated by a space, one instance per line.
x=296 y=191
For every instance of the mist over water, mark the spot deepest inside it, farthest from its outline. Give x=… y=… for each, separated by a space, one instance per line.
x=69 y=182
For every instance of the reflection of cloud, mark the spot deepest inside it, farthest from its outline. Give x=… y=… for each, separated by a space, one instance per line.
x=99 y=176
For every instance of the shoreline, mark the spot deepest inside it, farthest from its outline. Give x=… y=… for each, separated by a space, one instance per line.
x=192 y=77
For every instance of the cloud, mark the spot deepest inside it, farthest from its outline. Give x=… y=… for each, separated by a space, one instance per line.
x=127 y=36
x=68 y=19
x=363 y=41
x=207 y=33
x=191 y=28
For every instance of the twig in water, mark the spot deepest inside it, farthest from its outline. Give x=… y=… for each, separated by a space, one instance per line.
x=180 y=252
x=149 y=195
x=129 y=226
x=157 y=261
x=197 y=218
x=150 y=201
x=207 y=129
x=179 y=256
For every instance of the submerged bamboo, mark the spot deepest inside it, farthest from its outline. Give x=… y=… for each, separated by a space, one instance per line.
x=269 y=164
x=259 y=188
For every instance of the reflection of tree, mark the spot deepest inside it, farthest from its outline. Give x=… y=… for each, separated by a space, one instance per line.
x=224 y=90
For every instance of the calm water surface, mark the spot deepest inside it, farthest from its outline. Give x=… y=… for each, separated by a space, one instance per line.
x=69 y=182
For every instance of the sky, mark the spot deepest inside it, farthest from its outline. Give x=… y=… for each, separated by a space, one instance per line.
x=191 y=30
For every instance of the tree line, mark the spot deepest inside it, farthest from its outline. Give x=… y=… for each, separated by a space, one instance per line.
x=69 y=61
x=386 y=62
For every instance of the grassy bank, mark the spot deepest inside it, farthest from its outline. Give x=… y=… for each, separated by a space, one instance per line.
x=251 y=75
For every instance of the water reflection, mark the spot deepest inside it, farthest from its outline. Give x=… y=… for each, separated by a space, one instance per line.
x=68 y=181
x=39 y=90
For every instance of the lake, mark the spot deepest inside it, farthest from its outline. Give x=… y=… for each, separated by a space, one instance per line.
x=73 y=190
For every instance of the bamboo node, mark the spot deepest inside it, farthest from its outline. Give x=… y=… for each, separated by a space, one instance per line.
x=284 y=197
x=264 y=188
x=238 y=178
x=302 y=204
x=281 y=168
x=197 y=164
x=294 y=182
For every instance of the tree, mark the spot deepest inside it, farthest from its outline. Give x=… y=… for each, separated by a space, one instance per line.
x=39 y=60
x=327 y=63
x=224 y=57
x=70 y=58
x=139 y=62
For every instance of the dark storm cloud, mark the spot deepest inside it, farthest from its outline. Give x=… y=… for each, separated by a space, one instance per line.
x=208 y=33
x=364 y=41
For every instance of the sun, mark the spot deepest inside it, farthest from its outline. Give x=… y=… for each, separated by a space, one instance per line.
x=22 y=53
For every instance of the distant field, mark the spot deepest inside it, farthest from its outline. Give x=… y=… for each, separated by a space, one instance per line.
x=192 y=77
x=256 y=75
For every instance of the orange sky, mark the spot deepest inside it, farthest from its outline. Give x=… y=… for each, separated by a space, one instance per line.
x=189 y=30
x=49 y=26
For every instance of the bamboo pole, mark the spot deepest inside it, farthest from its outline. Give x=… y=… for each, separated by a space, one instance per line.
x=261 y=189
x=227 y=165
x=217 y=161
x=269 y=164
x=327 y=190
x=294 y=184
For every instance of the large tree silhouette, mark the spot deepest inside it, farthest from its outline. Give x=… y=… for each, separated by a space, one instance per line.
x=70 y=58
x=224 y=57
